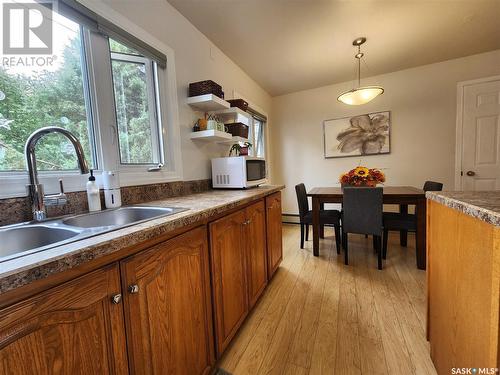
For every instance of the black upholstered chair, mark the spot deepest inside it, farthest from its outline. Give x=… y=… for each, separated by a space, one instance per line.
x=432 y=186
x=331 y=217
x=394 y=221
x=362 y=214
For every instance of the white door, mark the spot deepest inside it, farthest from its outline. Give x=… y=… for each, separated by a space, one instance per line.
x=481 y=136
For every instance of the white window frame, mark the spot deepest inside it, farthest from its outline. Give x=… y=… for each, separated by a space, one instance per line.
x=253 y=139
x=260 y=110
x=13 y=184
x=99 y=62
x=267 y=144
x=155 y=112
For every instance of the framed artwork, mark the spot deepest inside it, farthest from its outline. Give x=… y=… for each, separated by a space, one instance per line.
x=362 y=135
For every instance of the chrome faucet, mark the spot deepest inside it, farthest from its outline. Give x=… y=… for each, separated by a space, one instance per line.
x=35 y=190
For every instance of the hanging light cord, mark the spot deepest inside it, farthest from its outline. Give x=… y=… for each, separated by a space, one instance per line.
x=358 y=56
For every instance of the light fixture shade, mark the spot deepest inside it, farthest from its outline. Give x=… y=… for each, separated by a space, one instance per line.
x=361 y=95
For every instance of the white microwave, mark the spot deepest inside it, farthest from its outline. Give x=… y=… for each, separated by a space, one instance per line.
x=238 y=172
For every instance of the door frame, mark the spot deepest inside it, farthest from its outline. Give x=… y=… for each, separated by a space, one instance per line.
x=459 y=125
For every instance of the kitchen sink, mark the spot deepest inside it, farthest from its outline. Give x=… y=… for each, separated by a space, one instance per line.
x=120 y=216
x=27 y=238
x=19 y=239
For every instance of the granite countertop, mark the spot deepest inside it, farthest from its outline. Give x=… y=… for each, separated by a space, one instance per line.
x=24 y=270
x=484 y=205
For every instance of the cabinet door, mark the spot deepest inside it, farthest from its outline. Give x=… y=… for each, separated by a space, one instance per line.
x=229 y=276
x=274 y=232
x=74 y=328
x=256 y=250
x=167 y=307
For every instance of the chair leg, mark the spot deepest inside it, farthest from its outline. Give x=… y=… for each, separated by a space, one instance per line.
x=379 y=248
x=384 y=247
x=346 y=245
x=374 y=244
x=366 y=236
x=301 y=235
x=337 y=238
x=307 y=232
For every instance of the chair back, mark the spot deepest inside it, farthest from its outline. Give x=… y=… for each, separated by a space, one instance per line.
x=302 y=201
x=362 y=210
x=432 y=186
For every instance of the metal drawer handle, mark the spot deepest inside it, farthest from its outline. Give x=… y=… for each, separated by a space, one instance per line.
x=133 y=289
x=116 y=299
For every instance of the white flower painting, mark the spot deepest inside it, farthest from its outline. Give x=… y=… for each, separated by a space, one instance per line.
x=367 y=134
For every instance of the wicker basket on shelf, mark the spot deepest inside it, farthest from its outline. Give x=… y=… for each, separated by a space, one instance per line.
x=240 y=103
x=238 y=129
x=205 y=87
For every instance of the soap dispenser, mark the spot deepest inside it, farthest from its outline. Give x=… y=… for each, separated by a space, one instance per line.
x=93 y=195
x=112 y=193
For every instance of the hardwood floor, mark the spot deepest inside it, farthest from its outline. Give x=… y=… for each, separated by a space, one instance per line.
x=318 y=316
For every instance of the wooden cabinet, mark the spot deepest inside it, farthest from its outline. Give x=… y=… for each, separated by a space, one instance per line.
x=244 y=250
x=229 y=276
x=274 y=233
x=152 y=312
x=255 y=238
x=463 y=278
x=168 y=307
x=74 y=328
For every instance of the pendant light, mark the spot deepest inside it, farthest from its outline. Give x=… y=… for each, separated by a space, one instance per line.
x=360 y=95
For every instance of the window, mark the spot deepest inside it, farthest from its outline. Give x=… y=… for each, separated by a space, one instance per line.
x=258 y=127
x=32 y=98
x=107 y=87
x=135 y=102
x=257 y=135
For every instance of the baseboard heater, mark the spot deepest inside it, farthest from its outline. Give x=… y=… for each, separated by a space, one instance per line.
x=294 y=219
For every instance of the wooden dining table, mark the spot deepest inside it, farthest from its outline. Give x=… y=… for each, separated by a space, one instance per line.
x=400 y=195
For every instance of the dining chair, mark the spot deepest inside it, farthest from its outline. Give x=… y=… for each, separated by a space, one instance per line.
x=432 y=186
x=362 y=214
x=329 y=217
x=396 y=221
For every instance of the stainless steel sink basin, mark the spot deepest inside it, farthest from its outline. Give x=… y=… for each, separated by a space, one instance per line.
x=15 y=240
x=120 y=217
x=27 y=238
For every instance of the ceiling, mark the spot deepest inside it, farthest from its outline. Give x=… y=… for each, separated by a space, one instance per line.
x=292 y=45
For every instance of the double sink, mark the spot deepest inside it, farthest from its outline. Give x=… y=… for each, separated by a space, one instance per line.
x=27 y=238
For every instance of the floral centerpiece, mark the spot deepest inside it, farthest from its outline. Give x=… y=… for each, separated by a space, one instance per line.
x=362 y=176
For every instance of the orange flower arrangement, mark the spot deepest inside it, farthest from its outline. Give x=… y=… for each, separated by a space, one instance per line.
x=362 y=176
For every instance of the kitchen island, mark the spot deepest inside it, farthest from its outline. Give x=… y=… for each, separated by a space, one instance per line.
x=463 y=274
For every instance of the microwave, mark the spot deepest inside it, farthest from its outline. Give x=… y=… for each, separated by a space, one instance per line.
x=238 y=172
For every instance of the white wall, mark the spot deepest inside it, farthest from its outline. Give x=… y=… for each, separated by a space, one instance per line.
x=423 y=105
x=196 y=59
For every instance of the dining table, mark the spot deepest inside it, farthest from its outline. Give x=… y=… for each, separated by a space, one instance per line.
x=398 y=195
